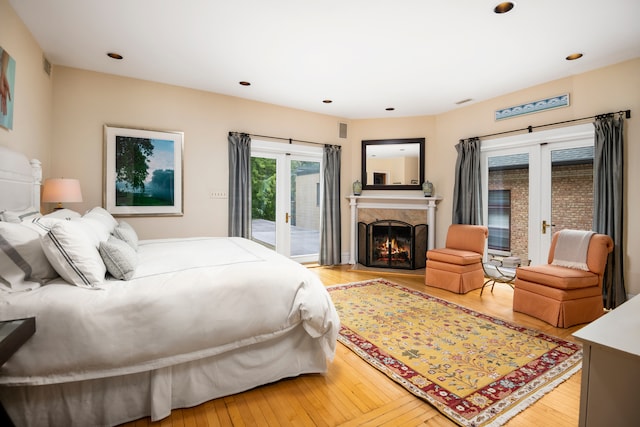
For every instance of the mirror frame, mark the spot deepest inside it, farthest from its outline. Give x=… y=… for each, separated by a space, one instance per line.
x=370 y=142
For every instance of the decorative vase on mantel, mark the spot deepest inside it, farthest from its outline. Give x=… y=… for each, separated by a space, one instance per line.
x=357 y=188
x=427 y=188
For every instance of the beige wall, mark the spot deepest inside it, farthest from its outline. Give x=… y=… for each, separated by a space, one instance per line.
x=604 y=90
x=32 y=126
x=84 y=101
x=70 y=122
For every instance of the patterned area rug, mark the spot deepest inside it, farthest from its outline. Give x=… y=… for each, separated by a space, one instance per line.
x=475 y=369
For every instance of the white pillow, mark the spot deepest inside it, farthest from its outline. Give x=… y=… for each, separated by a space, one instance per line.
x=23 y=264
x=73 y=255
x=124 y=231
x=102 y=215
x=119 y=258
x=95 y=229
x=42 y=225
x=20 y=215
x=63 y=214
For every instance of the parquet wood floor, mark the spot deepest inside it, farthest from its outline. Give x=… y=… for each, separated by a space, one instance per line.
x=353 y=393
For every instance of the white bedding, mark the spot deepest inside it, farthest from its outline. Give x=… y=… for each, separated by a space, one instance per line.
x=189 y=299
x=237 y=316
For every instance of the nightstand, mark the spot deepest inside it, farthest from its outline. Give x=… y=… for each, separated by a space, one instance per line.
x=13 y=334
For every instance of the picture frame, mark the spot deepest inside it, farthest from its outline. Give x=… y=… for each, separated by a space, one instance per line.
x=143 y=172
x=7 y=89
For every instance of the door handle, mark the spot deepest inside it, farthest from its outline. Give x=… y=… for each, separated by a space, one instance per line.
x=286 y=218
x=545 y=225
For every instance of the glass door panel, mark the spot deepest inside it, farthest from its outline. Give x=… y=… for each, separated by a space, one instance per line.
x=263 y=200
x=508 y=205
x=304 y=210
x=568 y=175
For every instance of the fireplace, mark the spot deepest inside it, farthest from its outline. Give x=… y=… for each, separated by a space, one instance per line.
x=392 y=244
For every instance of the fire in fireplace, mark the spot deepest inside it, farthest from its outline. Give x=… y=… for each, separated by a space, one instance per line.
x=392 y=244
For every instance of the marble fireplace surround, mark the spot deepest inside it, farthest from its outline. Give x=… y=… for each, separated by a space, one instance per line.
x=372 y=207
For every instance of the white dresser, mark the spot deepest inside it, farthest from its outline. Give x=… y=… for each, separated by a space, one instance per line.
x=610 y=391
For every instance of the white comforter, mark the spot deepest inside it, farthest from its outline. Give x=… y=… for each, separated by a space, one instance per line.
x=189 y=299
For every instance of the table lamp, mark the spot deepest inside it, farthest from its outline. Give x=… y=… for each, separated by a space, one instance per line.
x=61 y=190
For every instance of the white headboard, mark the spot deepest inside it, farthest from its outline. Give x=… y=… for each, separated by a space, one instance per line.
x=20 y=181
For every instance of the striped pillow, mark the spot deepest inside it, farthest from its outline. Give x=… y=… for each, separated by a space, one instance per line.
x=20 y=215
x=23 y=264
x=42 y=225
x=73 y=254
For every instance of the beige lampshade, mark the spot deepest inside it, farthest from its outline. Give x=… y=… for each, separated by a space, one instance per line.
x=61 y=190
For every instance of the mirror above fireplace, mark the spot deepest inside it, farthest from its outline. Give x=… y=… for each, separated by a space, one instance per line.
x=393 y=164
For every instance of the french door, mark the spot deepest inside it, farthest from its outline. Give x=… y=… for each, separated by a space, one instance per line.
x=534 y=185
x=286 y=198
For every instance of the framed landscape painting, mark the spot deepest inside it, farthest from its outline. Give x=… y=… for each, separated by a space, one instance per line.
x=142 y=172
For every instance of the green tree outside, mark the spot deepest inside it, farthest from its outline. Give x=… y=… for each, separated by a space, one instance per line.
x=263 y=188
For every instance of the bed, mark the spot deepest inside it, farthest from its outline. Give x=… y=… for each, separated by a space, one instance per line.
x=171 y=323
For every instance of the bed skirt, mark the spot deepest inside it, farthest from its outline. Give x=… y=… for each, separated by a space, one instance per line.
x=116 y=400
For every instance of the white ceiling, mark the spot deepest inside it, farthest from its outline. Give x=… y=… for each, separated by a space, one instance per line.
x=418 y=56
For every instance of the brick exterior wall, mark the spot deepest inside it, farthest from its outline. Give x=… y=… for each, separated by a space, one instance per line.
x=516 y=180
x=572 y=200
x=572 y=197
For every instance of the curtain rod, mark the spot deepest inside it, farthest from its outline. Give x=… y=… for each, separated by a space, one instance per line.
x=531 y=128
x=290 y=140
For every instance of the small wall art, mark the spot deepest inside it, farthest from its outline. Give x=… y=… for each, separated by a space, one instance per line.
x=7 y=88
x=533 y=107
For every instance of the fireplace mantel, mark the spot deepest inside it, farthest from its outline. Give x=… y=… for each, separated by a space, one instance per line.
x=387 y=201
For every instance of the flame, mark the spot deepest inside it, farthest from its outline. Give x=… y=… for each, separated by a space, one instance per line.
x=391 y=248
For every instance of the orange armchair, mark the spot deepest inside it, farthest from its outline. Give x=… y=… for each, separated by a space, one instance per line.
x=458 y=266
x=564 y=296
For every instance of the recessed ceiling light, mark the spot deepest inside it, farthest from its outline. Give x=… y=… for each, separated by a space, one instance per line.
x=243 y=83
x=573 y=56
x=114 y=55
x=327 y=101
x=503 y=7
x=390 y=109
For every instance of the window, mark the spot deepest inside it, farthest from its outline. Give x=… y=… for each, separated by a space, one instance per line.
x=500 y=220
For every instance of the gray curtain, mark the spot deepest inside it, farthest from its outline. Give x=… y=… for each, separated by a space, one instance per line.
x=608 y=195
x=330 y=229
x=467 y=192
x=239 y=185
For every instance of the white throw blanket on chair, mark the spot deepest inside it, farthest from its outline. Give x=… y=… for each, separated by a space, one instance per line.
x=571 y=249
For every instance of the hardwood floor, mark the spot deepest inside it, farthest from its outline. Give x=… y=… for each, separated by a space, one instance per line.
x=353 y=393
